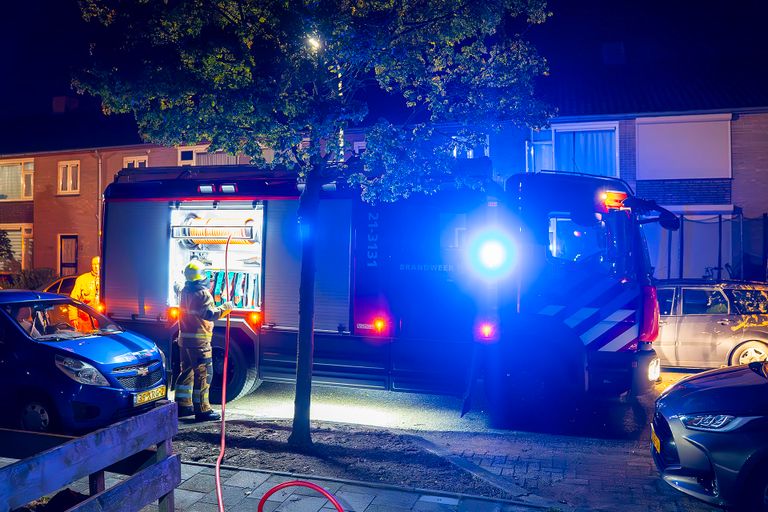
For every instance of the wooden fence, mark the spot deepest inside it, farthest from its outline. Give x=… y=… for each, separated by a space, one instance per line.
x=138 y=447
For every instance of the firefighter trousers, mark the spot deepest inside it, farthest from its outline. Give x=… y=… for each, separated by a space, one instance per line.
x=194 y=381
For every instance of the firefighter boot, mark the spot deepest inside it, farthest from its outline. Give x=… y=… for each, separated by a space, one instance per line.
x=207 y=416
x=185 y=410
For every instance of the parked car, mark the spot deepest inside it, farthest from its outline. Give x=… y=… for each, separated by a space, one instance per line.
x=68 y=368
x=62 y=285
x=708 y=436
x=708 y=324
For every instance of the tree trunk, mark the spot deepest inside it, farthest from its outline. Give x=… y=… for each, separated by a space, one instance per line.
x=308 y=212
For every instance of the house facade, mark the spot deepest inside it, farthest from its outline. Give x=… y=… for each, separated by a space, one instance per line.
x=711 y=167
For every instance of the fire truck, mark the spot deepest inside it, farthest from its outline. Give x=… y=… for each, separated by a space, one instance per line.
x=543 y=284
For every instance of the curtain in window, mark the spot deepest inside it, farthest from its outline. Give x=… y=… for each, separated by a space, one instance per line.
x=592 y=151
x=14 y=235
x=10 y=181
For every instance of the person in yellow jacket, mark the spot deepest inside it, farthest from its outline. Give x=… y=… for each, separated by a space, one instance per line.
x=86 y=290
x=197 y=313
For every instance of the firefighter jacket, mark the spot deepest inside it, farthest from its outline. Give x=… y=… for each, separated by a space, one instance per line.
x=197 y=314
x=86 y=289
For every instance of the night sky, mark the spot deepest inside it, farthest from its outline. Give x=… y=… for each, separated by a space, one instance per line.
x=726 y=41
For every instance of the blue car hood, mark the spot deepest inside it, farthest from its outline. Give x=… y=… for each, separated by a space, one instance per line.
x=121 y=348
x=737 y=390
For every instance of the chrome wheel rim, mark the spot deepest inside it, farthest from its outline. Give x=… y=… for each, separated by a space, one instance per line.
x=751 y=355
x=36 y=417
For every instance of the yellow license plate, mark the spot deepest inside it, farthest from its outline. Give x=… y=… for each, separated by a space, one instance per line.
x=149 y=396
x=655 y=441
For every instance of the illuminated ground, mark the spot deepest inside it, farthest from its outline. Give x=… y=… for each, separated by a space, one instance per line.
x=595 y=459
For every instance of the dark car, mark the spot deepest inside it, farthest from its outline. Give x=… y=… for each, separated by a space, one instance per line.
x=65 y=367
x=709 y=436
x=62 y=285
x=708 y=324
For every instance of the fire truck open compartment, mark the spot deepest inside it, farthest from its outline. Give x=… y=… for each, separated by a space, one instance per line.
x=200 y=230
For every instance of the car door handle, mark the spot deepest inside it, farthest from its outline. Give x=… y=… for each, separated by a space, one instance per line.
x=724 y=321
x=662 y=322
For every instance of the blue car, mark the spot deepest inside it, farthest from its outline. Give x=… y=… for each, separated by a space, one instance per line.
x=64 y=367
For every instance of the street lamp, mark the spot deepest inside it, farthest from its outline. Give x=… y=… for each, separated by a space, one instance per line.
x=314 y=42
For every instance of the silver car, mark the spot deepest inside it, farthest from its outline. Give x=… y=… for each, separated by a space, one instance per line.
x=707 y=324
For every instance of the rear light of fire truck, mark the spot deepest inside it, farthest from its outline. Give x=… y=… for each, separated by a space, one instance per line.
x=379 y=325
x=101 y=307
x=487 y=331
x=649 y=324
x=172 y=313
x=254 y=319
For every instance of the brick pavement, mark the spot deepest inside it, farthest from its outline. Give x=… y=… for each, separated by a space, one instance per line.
x=582 y=473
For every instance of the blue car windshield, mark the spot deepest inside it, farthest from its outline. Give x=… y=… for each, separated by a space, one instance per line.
x=59 y=320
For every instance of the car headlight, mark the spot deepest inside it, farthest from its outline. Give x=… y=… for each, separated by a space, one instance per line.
x=80 y=371
x=714 y=422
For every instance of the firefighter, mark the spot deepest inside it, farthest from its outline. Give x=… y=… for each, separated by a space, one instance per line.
x=198 y=312
x=86 y=290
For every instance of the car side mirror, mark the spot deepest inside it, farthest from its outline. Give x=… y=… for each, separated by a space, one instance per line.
x=669 y=221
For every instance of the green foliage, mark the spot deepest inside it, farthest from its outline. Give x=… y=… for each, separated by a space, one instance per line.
x=247 y=75
x=33 y=279
x=6 y=251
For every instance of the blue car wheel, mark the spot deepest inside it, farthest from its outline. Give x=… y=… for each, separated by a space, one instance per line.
x=36 y=414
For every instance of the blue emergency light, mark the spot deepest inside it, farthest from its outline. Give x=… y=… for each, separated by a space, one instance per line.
x=492 y=254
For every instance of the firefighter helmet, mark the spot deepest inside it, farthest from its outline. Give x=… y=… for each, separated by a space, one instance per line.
x=194 y=271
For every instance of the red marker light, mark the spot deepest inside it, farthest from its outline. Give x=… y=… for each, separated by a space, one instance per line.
x=101 y=307
x=254 y=318
x=173 y=313
x=379 y=324
x=487 y=330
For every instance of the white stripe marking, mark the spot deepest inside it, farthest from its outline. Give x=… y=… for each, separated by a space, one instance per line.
x=604 y=325
x=621 y=341
x=579 y=316
x=551 y=310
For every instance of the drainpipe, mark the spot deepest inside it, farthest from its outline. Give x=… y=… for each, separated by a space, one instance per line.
x=99 y=194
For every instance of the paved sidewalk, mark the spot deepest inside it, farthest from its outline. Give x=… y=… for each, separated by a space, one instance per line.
x=243 y=488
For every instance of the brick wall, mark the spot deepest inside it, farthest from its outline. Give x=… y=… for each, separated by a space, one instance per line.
x=749 y=157
x=709 y=191
x=56 y=214
x=628 y=151
x=16 y=212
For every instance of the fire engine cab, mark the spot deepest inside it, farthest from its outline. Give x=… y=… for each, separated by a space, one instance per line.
x=543 y=286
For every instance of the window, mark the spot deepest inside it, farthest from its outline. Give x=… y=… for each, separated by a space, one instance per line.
x=684 y=147
x=699 y=301
x=135 y=162
x=189 y=155
x=590 y=148
x=69 y=178
x=582 y=240
x=16 y=180
x=749 y=302
x=666 y=300
x=477 y=151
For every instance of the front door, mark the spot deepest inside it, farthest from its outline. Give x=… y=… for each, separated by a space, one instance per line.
x=67 y=255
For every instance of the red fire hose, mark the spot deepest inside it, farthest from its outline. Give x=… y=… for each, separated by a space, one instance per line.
x=298 y=483
x=223 y=445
